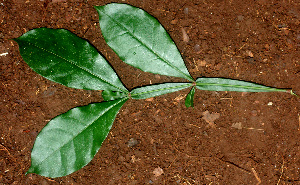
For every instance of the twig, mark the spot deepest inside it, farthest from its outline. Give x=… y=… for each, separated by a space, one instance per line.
x=256 y=176
x=235 y=165
x=172 y=162
x=194 y=125
x=184 y=179
x=243 y=44
x=281 y=173
x=4 y=148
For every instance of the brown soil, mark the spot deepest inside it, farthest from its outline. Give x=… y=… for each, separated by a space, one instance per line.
x=255 y=41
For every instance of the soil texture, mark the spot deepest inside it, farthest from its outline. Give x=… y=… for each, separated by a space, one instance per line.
x=227 y=138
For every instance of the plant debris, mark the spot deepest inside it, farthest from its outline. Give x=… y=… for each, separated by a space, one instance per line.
x=158 y=172
x=210 y=118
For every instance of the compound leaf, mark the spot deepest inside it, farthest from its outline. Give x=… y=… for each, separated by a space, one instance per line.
x=140 y=40
x=71 y=140
x=62 y=57
x=157 y=90
x=223 y=84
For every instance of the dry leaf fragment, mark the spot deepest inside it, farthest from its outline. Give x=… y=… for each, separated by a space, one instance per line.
x=210 y=118
x=132 y=142
x=185 y=36
x=149 y=99
x=158 y=171
x=249 y=53
x=174 y=21
x=237 y=125
x=180 y=97
x=201 y=63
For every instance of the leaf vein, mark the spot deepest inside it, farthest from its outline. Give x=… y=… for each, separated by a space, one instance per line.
x=74 y=64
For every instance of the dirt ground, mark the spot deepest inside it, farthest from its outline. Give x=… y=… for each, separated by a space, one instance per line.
x=255 y=139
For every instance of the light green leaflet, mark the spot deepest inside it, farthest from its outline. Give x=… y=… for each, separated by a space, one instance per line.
x=140 y=40
x=157 y=90
x=223 y=84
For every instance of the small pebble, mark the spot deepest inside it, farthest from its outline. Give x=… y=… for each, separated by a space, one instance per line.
x=249 y=53
x=197 y=48
x=254 y=113
x=132 y=142
x=186 y=11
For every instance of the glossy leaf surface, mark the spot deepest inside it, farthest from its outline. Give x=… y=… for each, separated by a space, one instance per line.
x=223 y=84
x=62 y=57
x=71 y=140
x=113 y=95
x=189 y=100
x=140 y=40
x=157 y=90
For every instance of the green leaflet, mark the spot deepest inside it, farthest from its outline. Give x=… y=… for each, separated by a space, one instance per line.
x=157 y=90
x=189 y=100
x=70 y=141
x=62 y=57
x=223 y=84
x=140 y=40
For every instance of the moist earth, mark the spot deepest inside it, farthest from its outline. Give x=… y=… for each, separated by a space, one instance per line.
x=253 y=138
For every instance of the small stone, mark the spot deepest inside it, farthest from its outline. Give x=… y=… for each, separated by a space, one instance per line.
x=249 y=53
x=197 y=48
x=270 y=103
x=186 y=11
x=254 y=113
x=174 y=21
x=132 y=142
x=158 y=172
x=237 y=125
